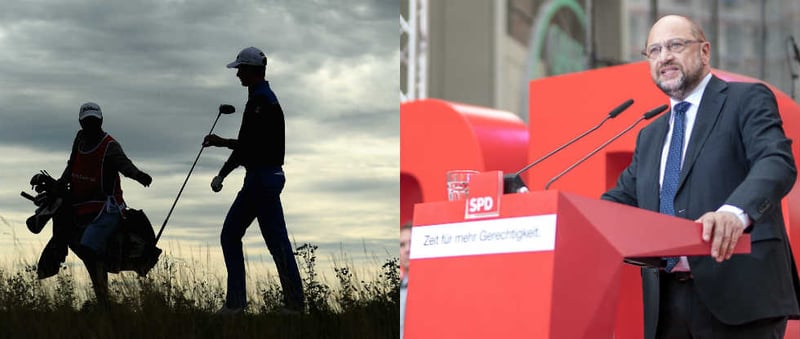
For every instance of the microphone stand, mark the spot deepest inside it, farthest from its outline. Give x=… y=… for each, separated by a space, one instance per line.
x=512 y=183
x=646 y=116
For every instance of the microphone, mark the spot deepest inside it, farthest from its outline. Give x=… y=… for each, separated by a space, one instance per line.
x=647 y=116
x=512 y=183
x=796 y=51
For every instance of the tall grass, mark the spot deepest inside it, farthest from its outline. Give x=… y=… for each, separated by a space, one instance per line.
x=177 y=300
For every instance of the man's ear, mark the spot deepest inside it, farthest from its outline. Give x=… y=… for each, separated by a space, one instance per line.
x=705 y=53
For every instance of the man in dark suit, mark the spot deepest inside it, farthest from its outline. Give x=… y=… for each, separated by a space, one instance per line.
x=721 y=158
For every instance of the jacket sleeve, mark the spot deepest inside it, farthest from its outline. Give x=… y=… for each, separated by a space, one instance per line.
x=769 y=155
x=230 y=164
x=120 y=162
x=625 y=190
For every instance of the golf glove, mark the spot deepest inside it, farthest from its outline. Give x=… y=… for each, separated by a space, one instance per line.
x=216 y=183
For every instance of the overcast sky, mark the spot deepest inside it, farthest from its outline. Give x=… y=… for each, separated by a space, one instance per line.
x=157 y=69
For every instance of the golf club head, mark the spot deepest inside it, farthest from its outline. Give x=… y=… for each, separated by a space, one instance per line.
x=226 y=109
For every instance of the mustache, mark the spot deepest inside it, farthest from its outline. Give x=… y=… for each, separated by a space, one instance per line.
x=669 y=64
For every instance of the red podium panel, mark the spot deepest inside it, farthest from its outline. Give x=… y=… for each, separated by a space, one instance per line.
x=548 y=267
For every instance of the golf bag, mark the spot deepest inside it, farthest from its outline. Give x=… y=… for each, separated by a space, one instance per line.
x=130 y=248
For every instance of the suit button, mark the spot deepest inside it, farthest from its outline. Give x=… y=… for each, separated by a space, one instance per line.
x=764 y=207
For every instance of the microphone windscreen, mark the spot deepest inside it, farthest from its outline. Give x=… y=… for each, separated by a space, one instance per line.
x=655 y=111
x=616 y=111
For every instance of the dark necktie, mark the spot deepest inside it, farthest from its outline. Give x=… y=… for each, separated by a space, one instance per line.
x=672 y=170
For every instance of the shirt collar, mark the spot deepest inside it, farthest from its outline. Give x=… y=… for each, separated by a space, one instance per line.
x=695 y=95
x=260 y=87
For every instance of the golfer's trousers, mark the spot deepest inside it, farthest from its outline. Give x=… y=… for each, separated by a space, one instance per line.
x=260 y=199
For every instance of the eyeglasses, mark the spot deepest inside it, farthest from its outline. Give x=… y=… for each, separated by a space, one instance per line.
x=673 y=46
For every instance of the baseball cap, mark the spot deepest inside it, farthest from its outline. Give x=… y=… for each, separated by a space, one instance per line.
x=249 y=56
x=90 y=109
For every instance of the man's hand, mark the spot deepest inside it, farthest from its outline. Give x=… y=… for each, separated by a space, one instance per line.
x=144 y=179
x=723 y=229
x=41 y=198
x=216 y=183
x=214 y=140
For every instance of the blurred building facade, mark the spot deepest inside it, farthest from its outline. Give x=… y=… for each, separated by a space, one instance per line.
x=485 y=52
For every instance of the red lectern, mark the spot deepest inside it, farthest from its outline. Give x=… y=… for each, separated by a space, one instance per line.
x=547 y=267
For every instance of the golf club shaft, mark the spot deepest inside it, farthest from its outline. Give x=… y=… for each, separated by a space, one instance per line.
x=184 y=182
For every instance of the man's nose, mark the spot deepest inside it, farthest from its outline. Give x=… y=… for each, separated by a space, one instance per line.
x=665 y=54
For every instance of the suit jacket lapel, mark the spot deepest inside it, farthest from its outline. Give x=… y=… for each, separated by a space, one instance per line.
x=710 y=107
x=649 y=200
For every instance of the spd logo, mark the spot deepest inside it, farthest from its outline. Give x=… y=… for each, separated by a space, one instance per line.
x=481 y=204
x=483 y=197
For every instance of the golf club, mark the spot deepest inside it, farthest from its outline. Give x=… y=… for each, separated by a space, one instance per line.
x=223 y=109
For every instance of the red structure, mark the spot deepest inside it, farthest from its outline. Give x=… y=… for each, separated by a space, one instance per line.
x=563 y=283
x=438 y=136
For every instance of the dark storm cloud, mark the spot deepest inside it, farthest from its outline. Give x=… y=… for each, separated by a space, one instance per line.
x=151 y=59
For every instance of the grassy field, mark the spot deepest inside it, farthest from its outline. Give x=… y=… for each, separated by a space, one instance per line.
x=176 y=301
